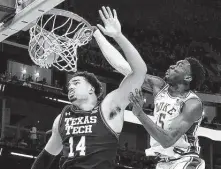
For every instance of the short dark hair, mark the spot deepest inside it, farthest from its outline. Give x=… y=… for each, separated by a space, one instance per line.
x=198 y=73
x=92 y=79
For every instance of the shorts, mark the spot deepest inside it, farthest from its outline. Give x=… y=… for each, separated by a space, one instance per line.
x=183 y=163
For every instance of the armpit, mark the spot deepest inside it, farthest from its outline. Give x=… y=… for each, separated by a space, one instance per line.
x=115 y=112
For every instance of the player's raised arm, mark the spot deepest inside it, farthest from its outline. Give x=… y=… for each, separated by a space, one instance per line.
x=112 y=55
x=52 y=148
x=151 y=83
x=136 y=78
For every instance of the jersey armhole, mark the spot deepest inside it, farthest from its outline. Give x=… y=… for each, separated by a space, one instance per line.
x=196 y=97
x=106 y=124
x=62 y=115
x=160 y=91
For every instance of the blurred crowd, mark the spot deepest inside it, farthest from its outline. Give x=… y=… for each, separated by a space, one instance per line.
x=161 y=49
x=29 y=82
x=24 y=138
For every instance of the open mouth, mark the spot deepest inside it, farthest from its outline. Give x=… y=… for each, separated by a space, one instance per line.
x=71 y=97
x=71 y=93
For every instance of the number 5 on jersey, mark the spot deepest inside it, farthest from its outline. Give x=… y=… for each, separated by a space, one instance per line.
x=161 y=120
x=80 y=146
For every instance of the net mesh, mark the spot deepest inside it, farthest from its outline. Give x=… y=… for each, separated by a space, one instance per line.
x=54 y=40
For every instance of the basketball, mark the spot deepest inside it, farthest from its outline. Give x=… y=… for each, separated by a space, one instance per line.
x=42 y=50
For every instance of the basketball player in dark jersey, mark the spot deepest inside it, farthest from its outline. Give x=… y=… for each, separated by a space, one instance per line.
x=87 y=130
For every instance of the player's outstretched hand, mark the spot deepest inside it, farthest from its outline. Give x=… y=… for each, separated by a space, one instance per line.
x=112 y=25
x=137 y=101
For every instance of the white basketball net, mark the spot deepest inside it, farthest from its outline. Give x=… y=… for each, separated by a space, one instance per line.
x=56 y=45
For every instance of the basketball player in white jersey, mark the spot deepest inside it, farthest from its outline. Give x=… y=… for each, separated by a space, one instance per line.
x=177 y=114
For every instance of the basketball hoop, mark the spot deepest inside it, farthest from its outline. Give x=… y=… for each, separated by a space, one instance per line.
x=55 y=37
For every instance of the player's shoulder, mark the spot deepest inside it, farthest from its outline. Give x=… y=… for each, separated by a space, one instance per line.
x=193 y=94
x=193 y=100
x=57 y=119
x=61 y=115
x=56 y=123
x=67 y=106
x=193 y=107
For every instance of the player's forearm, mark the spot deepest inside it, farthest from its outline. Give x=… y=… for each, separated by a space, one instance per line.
x=161 y=136
x=112 y=55
x=43 y=161
x=133 y=57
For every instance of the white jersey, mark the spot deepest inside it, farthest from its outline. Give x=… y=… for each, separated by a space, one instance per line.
x=166 y=109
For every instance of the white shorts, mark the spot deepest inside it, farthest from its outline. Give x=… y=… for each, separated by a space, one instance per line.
x=183 y=163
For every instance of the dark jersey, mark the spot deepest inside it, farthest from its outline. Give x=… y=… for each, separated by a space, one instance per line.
x=89 y=143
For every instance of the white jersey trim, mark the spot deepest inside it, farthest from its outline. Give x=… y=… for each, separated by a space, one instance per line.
x=167 y=85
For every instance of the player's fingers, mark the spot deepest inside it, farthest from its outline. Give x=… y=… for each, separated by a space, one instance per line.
x=102 y=16
x=131 y=100
x=101 y=28
x=105 y=12
x=131 y=96
x=115 y=13
x=137 y=100
x=141 y=94
x=137 y=92
x=109 y=12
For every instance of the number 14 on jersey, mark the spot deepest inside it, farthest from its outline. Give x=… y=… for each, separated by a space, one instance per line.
x=81 y=147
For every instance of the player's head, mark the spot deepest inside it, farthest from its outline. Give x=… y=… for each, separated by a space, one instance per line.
x=188 y=71
x=82 y=85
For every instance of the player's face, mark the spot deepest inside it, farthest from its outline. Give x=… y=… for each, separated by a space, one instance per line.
x=79 y=89
x=179 y=73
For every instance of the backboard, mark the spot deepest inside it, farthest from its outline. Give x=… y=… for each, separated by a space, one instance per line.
x=24 y=17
